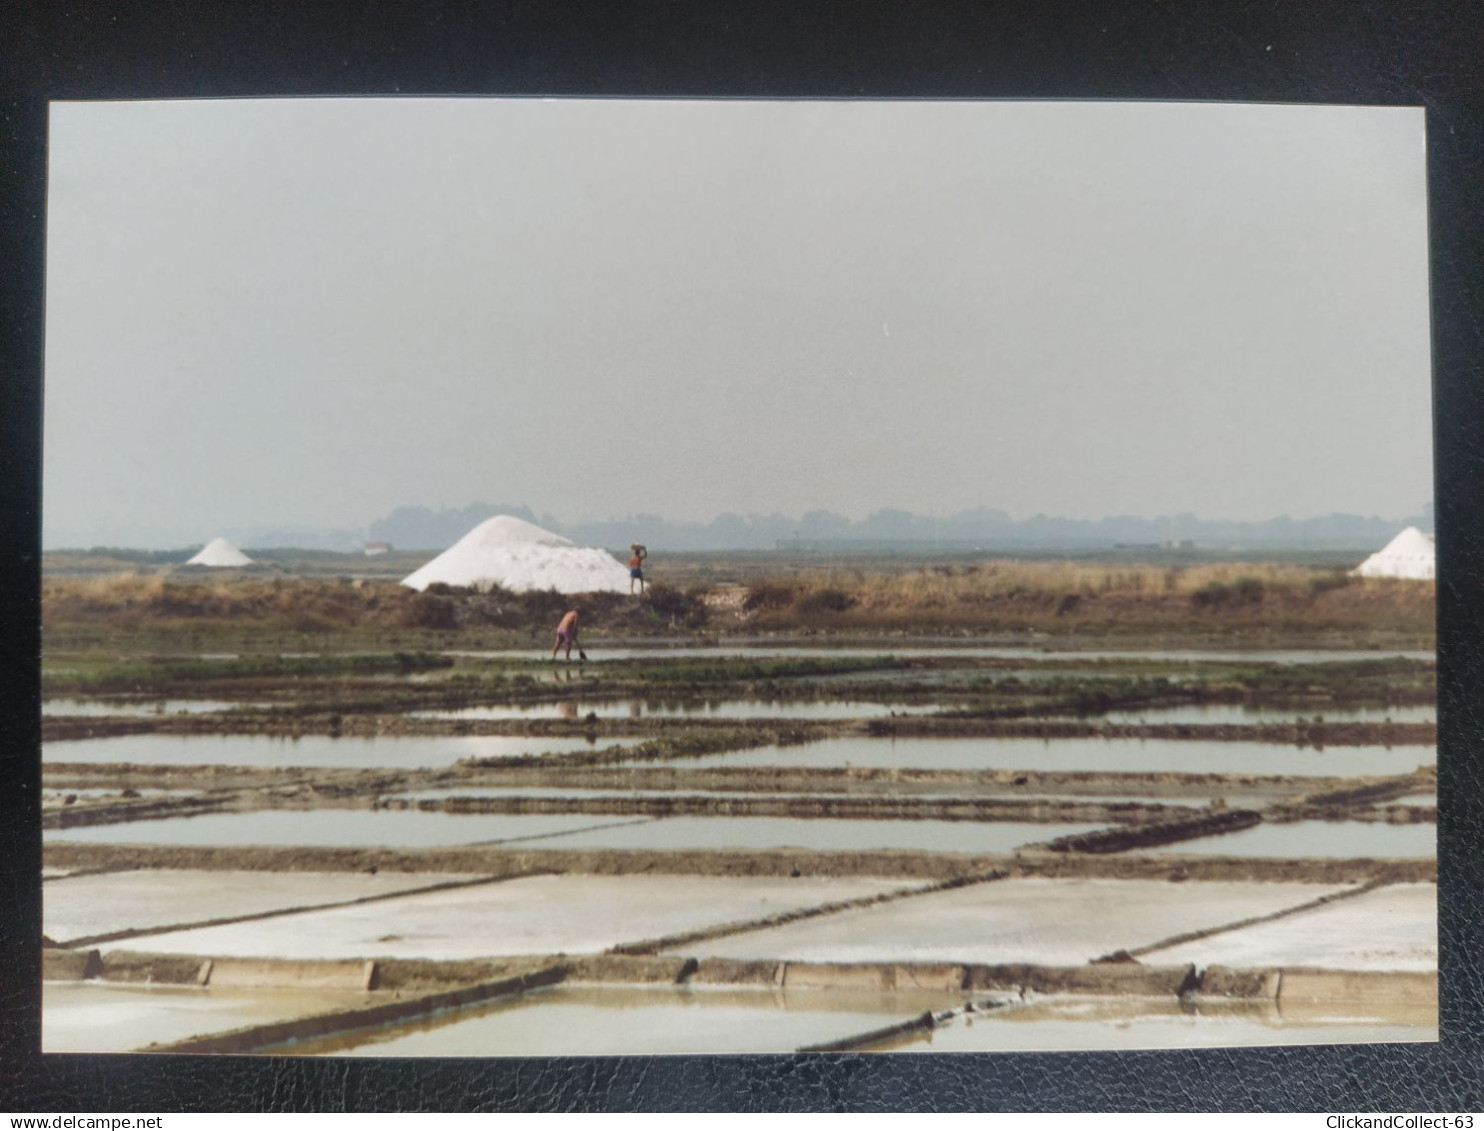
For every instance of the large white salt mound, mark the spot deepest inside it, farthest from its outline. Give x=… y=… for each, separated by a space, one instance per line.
x=518 y=556
x=220 y=553
x=1411 y=554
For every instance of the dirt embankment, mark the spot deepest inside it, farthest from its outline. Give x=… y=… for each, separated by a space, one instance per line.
x=822 y=781
x=496 y=861
x=57 y=729
x=944 y=796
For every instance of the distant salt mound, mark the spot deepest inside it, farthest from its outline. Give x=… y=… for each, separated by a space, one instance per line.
x=1411 y=554
x=221 y=554
x=519 y=556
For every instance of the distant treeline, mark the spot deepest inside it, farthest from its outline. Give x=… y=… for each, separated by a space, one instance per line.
x=982 y=528
x=421 y=528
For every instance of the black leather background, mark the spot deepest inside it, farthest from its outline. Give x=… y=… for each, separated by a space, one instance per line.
x=1366 y=51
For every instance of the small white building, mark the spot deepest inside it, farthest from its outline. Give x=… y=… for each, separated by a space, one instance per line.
x=377 y=549
x=1411 y=554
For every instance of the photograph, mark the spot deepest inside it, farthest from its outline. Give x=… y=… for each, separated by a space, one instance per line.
x=598 y=577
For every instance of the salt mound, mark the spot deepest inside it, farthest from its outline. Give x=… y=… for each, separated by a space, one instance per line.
x=519 y=556
x=221 y=554
x=1411 y=554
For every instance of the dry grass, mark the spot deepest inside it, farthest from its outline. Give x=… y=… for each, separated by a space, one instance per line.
x=1059 y=597
x=965 y=583
x=1067 y=596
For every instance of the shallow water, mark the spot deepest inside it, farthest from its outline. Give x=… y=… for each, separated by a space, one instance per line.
x=1117 y=755
x=616 y=1020
x=1145 y=1023
x=559 y=793
x=819 y=834
x=109 y=1017
x=393 y=752
x=1349 y=839
x=90 y=708
x=338 y=828
x=51 y=796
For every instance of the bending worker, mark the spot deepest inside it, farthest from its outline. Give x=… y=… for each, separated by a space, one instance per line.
x=567 y=634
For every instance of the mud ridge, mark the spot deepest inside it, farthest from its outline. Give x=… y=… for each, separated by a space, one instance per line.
x=1162 y=832
x=264 y=1038
x=55 y=728
x=816 y=807
x=746 y=779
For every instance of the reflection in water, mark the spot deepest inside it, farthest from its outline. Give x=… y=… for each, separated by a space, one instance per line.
x=104 y=1017
x=1110 y=1023
x=91 y=708
x=609 y=1020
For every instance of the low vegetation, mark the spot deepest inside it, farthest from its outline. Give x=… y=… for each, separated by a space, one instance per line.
x=188 y=675
x=1065 y=597
x=154 y=611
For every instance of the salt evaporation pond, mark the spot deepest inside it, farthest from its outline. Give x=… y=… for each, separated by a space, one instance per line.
x=1052 y=922
x=553 y=793
x=568 y=913
x=1143 y=1023
x=131 y=708
x=160 y=898
x=721 y=709
x=338 y=828
x=818 y=834
x=103 y=1017
x=1390 y=928
x=1079 y=755
x=385 y=752
x=1301 y=839
x=1240 y=714
x=624 y=1020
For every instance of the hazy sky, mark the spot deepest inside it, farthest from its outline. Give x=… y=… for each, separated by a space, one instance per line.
x=309 y=312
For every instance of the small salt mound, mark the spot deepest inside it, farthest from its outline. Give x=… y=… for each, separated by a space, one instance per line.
x=519 y=556
x=221 y=554
x=1411 y=554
